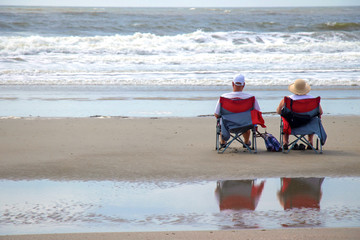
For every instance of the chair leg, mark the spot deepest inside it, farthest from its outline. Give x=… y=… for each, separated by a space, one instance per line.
x=282 y=135
x=318 y=144
x=234 y=137
x=237 y=137
x=254 y=147
x=292 y=144
x=302 y=138
x=218 y=132
x=316 y=147
x=217 y=143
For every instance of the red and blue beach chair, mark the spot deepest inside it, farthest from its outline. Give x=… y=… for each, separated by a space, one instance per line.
x=237 y=116
x=300 y=118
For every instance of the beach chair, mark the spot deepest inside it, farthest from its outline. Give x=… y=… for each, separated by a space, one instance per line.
x=300 y=118
x=237 y=116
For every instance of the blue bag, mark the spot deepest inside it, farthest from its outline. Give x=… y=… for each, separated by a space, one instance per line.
x=271 y=143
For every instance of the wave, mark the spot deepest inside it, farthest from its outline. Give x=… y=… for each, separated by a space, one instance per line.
x=62 y=21
x=339 y=26
x=5 y=27
x=93 y=76
x=197 y=58
x=196 y=42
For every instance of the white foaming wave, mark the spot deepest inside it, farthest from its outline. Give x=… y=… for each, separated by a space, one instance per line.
x=48 y=63
x=196 y=69
x=197 y=58
x=196 y=42
x=349 y=77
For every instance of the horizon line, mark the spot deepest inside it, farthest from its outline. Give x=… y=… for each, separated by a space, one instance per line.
x=146 y=6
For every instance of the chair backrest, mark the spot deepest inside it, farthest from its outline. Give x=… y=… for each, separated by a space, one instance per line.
x=300 y=112
x=236 y=105
x=240 y=112
x=303 y=105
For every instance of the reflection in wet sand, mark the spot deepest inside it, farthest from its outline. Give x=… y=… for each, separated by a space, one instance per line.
x=302 y=196
x=238 y=194
x=300 y=192
x=43 y=206
x=241 y=196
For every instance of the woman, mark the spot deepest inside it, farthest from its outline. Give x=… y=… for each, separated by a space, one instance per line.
x=300 y=89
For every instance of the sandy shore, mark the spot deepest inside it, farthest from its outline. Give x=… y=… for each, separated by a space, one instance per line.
x=161 y=149
x=276 y=234
x=177 y=149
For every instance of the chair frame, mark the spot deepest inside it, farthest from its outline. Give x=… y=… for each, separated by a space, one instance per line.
x=317 y=148
x=234 y=136
x=299 y=138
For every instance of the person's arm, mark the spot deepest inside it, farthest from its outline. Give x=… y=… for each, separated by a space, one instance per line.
x=320 y=110
x=281 y=105
x=256 y=105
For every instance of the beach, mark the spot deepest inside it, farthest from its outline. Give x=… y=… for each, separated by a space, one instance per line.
x=144 y=149
x=301 y=234
x=178 y=46
x=167 y=149
x=104 y=99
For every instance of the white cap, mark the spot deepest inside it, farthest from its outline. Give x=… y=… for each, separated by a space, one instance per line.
x=239 y=80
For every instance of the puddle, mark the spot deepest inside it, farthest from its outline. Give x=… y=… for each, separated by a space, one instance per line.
x=32 y=207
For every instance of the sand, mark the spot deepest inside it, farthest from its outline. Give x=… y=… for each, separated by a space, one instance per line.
x=276 y=234
x=174 y=149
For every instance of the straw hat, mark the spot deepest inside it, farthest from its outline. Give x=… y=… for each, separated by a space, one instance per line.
x=300 y=87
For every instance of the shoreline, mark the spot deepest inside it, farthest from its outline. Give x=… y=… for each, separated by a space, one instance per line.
x=151 y=101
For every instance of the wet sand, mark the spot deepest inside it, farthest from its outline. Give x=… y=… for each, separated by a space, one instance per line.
x=176 y=149
x=275 y=234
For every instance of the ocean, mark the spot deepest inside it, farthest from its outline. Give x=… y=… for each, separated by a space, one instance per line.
x=172 y=62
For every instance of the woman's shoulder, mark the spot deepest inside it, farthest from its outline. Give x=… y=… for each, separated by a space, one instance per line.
x=299 y=97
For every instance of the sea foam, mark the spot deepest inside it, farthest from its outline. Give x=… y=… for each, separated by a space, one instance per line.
x=178 y=46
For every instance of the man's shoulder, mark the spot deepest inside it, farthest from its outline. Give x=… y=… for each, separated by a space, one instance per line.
x=236 y=95
x=227 y=95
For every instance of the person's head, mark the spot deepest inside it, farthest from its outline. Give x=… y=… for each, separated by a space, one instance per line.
x=238 y=83
x=300 y=87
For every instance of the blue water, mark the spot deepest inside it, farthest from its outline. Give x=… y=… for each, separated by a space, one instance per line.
x=97 y=21
x=179 y=46
x=141 y=62
x=151 y=101
x=42 y=206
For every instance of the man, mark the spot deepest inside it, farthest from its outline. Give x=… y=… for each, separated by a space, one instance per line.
x=238 y=85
